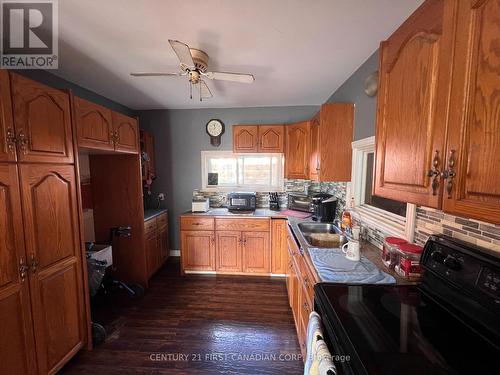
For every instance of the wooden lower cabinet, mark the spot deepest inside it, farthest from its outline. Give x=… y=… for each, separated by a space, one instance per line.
x=279 y=249
x=198 y=250
x=256 y=252
x=229 y=251
x=156 y=242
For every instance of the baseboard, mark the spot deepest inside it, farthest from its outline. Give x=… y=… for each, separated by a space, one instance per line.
x=175 y=253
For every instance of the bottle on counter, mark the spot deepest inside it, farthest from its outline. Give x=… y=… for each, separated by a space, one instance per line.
x=346 y=223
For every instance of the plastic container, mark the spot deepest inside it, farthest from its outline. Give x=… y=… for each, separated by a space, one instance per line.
x=390 y=251
x=409 y=261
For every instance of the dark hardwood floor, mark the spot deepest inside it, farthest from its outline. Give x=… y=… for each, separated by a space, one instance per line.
x=196 y=325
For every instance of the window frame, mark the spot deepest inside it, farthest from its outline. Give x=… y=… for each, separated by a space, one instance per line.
x=280 y=187
x=380 y=219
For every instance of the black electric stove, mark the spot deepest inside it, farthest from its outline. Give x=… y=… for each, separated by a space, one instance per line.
x=449 y=324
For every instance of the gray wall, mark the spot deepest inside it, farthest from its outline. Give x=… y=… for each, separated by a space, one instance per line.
x=52 y=80
x=352 y=91
x=180 y=137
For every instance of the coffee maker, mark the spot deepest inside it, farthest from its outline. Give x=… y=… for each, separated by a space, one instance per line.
x=324 y=207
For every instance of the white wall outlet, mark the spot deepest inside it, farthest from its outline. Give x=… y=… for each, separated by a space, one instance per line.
x=161 y=196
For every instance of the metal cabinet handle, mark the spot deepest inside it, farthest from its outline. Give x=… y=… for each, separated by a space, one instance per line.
x=450 y=173
x=34 y=263
x=23 y=269
x=11 y=140
x=112 y=137
x=306 y=281
x=23 y=141
x=434 y=173
x=117 y=137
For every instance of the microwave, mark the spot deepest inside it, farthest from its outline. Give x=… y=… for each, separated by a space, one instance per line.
x=241 y=201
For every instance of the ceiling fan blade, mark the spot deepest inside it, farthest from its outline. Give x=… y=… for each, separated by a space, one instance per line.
x=183 y=53
x=235 y=77
x=205 y=92
x=154 y=74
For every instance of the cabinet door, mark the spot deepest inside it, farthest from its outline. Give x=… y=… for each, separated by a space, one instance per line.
x=150 y=149
x=315 y=150
x=163 y=240
x=16 y=338
x=245 y=138
x=305 y=309
x=335 y=138
x=297 y=145
x=473 y=152
x=294 y=291
x=271 y=138
x=256 y=252
x=94 y=126
x=411 y=106
x=228 y=251
x=53 y=249
x=279 y=247
x=152 y=251
x=42 y=120
x=126 y=133
x=7 y=133
x=198 y=250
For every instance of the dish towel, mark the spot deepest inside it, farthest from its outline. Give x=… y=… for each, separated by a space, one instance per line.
x=333 y=266
x=319 y=360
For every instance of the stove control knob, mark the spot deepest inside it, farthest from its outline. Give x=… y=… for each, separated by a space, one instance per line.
x=437 y=256
x=452 y=263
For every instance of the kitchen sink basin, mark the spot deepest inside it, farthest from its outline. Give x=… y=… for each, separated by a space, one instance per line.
x=322 y=235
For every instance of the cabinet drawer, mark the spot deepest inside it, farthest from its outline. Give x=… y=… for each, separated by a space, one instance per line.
x=161 y=220
x=197 y=223
x=293 y=248
x=248 y=225
x=150 y=226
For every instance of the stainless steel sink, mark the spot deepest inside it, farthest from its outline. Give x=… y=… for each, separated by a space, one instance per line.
x=308 y=230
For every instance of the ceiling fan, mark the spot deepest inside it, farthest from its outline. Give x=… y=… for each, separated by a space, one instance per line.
x=194 y=65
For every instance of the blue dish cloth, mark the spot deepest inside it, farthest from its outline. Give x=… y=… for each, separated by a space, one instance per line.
x=333 y=266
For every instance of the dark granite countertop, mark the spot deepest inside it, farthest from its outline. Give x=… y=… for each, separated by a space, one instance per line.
x=151 y=213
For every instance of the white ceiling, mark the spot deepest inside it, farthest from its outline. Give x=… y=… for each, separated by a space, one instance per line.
x=299 y=51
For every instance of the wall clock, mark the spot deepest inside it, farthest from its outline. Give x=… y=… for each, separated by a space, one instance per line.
x=215 y=129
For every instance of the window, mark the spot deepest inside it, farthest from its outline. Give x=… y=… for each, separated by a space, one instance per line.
x=225 y=171
x=392 y=217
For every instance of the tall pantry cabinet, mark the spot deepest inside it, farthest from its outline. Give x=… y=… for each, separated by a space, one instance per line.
x=42 y=298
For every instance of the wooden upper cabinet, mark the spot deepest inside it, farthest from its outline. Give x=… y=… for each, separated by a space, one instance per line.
x=53 y=249
x=314 y=150
x=17 y=340
x=126 y=133
x=7 y=133
x=94 y=126
x=297 y=144
x=412 y=103
x=256 y=252
x=245 y=138
x=473 y=148
x=271 y=138
x=258 y=138
x=42 y=120
x=335 y=139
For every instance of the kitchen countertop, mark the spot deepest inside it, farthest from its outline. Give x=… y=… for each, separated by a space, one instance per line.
x=151 y=213
x=367 y=249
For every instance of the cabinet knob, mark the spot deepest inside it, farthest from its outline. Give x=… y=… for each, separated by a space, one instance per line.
x=434 y=173
x=11 y=140
x=23 y=269
x=449 y=174
x=34 y=263
x=23 y=141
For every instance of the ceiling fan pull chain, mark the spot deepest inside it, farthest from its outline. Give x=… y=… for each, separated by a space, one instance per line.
x=190 y=90
x=201 y=99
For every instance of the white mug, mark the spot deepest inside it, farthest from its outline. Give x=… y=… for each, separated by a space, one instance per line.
x=351 y=250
